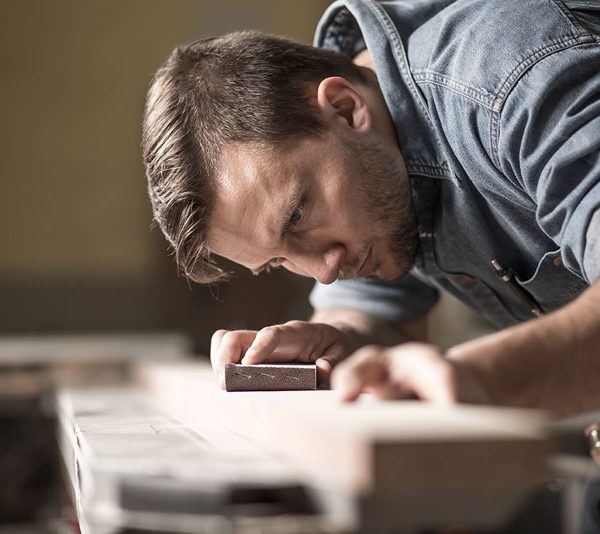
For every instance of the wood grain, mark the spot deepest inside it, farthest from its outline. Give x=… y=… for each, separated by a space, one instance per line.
x=461 y=461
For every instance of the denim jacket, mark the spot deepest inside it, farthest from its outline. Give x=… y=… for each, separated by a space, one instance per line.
x=496 y=106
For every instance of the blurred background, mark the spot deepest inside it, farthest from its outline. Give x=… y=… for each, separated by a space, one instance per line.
x=85 y=282
x=77 y=250
x=86 y=286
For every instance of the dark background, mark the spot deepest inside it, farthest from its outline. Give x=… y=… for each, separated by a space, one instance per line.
x=77 y=253
x=76 y=250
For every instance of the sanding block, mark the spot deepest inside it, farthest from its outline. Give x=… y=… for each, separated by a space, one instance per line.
x=270 y=377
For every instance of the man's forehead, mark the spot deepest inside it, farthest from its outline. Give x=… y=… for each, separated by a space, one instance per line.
x=245 y=168
x=248 y=176
x=251 y=196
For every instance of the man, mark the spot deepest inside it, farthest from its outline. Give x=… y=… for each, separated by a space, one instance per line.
x=425 y=145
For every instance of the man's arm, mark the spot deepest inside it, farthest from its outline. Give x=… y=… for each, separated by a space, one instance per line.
x=365 y=329
x=360 y=329
x=330 y=337
x=552 y=362
x=350 y=314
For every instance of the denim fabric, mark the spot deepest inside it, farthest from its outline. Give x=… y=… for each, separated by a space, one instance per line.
x=591 y=260
x=496 y=105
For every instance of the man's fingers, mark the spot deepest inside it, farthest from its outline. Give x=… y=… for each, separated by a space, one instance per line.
x=229 y=347
x=298 y=341
x=366 y=368
x=215 y=342
x=411 y=370
x=326 y=363
x=264 y=344
x=423 y=371
x=391 y=390
x=293 y=341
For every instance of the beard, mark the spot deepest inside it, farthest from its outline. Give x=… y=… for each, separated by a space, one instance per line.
x=388 y=203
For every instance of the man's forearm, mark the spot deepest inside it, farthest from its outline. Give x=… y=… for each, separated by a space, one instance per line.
x=363 y=329
x=552 y=362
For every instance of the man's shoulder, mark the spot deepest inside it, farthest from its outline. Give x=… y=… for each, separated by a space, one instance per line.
x=483 y=44
x=477 y=48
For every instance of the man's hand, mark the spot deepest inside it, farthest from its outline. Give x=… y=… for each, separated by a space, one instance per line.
x=296 y=341
x=411 y=370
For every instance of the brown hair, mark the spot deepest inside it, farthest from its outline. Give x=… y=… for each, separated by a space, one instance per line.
x=241 y=87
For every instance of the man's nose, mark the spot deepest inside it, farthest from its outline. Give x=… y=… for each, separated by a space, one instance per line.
x=324 y=267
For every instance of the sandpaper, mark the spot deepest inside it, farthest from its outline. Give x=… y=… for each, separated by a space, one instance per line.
x=270 y=377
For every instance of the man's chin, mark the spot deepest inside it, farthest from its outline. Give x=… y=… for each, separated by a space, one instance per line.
x=384 y=271
x=390 y=273
x=377 y=276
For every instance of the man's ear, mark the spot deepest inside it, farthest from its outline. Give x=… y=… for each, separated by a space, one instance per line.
x=339 y=99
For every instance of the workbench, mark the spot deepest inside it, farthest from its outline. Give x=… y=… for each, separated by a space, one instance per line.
x=171 y=452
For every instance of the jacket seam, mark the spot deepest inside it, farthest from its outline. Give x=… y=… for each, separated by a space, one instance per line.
x=515 y=75
x=478 y=95
x=427 y=170
x=534 y=58
x=402 y=62
x=566 y=13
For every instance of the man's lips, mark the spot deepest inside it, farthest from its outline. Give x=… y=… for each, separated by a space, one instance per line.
x=367 y=266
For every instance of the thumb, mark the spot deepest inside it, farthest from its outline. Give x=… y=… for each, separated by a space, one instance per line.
x=327 y=362
x=324 y=367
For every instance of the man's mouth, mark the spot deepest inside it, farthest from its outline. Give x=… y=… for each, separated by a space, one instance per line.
x=367 y=266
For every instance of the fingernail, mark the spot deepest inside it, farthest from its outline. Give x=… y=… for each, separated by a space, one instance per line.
x=324 y=365
x=247 y=357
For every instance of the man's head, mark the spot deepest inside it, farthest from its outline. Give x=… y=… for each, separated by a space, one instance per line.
x=269 y=152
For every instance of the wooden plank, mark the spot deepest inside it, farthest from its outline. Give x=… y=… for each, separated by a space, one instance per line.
x=130 y=466
x=350 y=435
x=379 y=451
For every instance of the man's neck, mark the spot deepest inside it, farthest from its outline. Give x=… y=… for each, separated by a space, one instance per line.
x=381 y=114
x=363 y=59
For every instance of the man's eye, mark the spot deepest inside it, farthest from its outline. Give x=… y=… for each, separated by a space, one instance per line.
x=297 y=214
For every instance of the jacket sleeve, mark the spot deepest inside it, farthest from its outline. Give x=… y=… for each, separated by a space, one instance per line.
x=406 y=299
x=549 y=145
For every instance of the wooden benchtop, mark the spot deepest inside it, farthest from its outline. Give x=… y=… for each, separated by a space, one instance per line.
x=368 y=446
